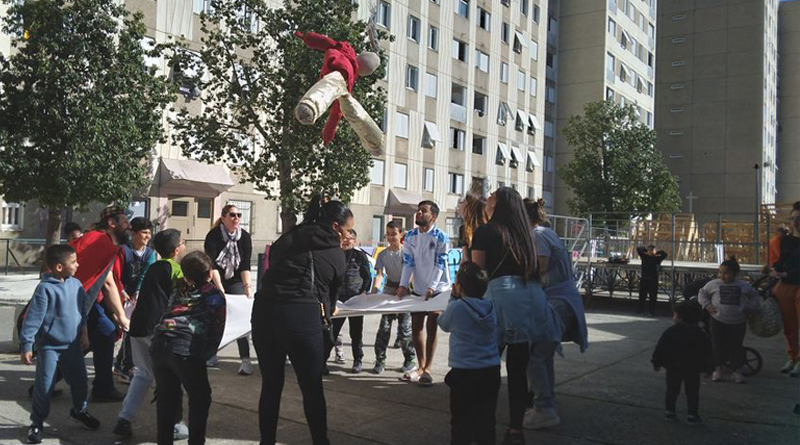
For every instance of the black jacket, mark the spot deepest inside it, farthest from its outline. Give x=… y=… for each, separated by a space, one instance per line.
x=214 y=245
x=157 y=285
x=650 y=263
x=789 y=260
x=683 y=347
x=288 y=279
x=358 y=278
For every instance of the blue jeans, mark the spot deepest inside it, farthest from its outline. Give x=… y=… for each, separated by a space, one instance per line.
x=541 y=372
x=73 y=368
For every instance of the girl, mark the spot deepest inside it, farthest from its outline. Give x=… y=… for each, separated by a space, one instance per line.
x=473 y=211
x=728 y=300
x=187 y=335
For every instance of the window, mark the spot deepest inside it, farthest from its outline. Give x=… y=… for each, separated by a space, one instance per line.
x=531 y=192
x=679 y=40
x=456 y=183
x=458 y=95
x=533 y=86
x=376 y=172
x=503 y=112
x=505 y=3
x=459 y=50
x=451 y=227
x=612 y=27
x=246 y=207
x=203 y=208
x=430 y=85
x=549 y=129
x=427 y=179
x=138 y=207
x=676 y=110
x=457 y=139
x=536 y=13
x=521 y=80
x=401 y=128
x=624 y=6
x=433 y=38
x=623 y=72
x=484 y=19
x=650 y=89
x=180 y=208
x=480 y=104
x=551 y=95
x=412 y=77
x=384 y=14
x=678 y=63
x=478 y=144
x=534 y=50
x=503 y=72
x=521 y=121
x=400 y=174
x=651 y=31
x=610 y=67
x=377 y=228
x=677 y=86
x=502 y=154
x=413 y=28
x=609 y=94
x=482 y=60
x=430 y=135
x=676 y=133
x=523 y=7
x=11 y=216
x=518 y=42
x=678 y=17
x=462 y=8
x=505 y=32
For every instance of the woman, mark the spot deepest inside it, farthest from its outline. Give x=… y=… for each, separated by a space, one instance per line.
x=505 y=249
x=306 y=269
x=787 y=291
x=558 y=279
x=230 y=247
x=473 y=211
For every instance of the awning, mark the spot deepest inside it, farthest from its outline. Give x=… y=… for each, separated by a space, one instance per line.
x=403 y=201
x=521 y=38
x=534 y=159
x=432 y=132
x=516 y=153
x=503 y=150
x=624 y=69
x=534 y=122
x=523 y=116
x=190 y=178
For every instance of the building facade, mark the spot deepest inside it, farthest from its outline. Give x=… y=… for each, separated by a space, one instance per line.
x=606 y=51
x=788 y=180
x=716 y=100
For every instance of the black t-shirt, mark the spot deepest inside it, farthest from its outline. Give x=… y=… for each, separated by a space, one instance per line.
x=789 y=261
x=499 y=261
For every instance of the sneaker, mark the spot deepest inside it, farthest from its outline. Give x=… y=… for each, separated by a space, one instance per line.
x=408 y=366
x=796 y=371
x=716 y=376
x=536 y=418
x=357 y=367
x=246 y=368
x=180 y=431
x=694 y=420
x=123 y=428
x=379 y=368
x=35 y=434
x=670 y=416
x=213 y=362
x=788 y=367
x=85 y=418
x=110 y=397
x=738 y=377
x=339 y=359
x=124 y=376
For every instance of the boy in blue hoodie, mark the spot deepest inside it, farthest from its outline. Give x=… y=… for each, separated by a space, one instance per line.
x=474 y=379
x=56 y=323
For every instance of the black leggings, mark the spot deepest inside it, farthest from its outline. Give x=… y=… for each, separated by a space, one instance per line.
x=519 y=397
x=294 y=330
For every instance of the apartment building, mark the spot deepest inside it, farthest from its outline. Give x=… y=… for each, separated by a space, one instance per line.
x=606 y=51
x=717 y=101
x=788 y=180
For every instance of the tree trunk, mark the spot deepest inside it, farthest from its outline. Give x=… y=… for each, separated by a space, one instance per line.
x=288 y=218
x=53 y=235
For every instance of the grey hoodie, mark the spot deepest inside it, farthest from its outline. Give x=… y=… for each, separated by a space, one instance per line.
x=733 y=301
x=473 y=333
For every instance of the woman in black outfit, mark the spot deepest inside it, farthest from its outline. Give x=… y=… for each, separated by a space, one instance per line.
x=306 y=269
x=230 y=247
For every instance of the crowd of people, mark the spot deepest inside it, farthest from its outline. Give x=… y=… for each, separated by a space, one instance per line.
x=514 y=295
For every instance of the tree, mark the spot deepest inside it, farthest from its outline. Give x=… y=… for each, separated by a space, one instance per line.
x=616 y=167
x=252 y=72
x=79 y=112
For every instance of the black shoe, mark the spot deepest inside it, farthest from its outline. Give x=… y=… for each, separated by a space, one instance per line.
x=35 y=434
x=694 y=420
x=110 y=397
x=123 y=428
x=670 y=416
x=85 y=418
x=514 y=438
x=357 y=367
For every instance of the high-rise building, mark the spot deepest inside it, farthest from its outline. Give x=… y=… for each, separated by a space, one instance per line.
x=788 y=181
x=606 y=50
x=717 y=102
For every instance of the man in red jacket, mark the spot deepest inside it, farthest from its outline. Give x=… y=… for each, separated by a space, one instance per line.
x=101 y=262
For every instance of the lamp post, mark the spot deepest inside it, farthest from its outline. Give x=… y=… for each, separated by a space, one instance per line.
x=756 y=227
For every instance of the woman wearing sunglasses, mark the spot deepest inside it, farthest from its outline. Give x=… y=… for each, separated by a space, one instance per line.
x=230 y=247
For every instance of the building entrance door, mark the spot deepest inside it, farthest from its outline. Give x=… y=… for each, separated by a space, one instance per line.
x=192 y=216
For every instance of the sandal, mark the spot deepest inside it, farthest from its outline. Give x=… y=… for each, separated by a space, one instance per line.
x=426 y=379
x=410 y=377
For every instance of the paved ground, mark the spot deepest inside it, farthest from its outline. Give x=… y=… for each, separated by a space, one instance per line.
x=609 y=395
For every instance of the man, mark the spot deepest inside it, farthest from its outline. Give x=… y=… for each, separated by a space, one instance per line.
x=101 y=262
x=648 y=285
x=425 y=259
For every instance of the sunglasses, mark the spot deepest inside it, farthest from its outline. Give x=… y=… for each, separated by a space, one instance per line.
x=235 y=215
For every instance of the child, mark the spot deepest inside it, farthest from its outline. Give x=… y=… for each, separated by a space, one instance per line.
x=684 y=350
x=56 y=323
x=188 y=334
x=72 y=231
x=728 y=300
x=152 y=302
x=389 y=268
x=474 y=379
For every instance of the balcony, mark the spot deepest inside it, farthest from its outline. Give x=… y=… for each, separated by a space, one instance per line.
x=458 y=113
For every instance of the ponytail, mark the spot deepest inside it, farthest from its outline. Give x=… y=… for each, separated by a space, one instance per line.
x=535 y=210
x=326 y=212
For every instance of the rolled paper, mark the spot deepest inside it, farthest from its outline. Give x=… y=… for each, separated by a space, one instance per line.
x=319 y=98
x=369 y=133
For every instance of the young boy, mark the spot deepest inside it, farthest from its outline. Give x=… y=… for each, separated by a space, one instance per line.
x=474 y=379
x=389 y=268
x=153 y=300
x=56 y=323
x=685 y=351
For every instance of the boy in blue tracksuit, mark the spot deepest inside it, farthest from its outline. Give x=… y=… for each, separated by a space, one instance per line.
x=474 y=379
x=56 y=324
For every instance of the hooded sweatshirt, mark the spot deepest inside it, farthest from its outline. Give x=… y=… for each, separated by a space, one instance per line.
x=473 y=335
x=55 y=314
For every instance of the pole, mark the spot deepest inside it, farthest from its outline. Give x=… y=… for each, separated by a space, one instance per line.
x=8 y=250
x=756 y=234
x=672 y=290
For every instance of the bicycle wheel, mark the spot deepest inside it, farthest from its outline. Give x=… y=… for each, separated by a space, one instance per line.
x=752 y=362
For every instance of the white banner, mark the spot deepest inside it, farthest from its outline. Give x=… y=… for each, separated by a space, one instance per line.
x=239 y=309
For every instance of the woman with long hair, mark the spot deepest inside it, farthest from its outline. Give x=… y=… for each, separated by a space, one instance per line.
x=505 y=249
x=473 y=212
x=787 y=291
x=558 y=280
x=293 y=309
x=230 y=247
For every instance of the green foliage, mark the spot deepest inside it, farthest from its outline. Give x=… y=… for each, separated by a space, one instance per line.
x=616 y=167
x=79 y=112
x=257 y=71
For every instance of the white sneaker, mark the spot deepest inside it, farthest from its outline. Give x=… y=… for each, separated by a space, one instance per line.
x=246 y=368
x=180 y=431
x=536 y=418
x=738 y=377
x=796 y=371
x=789 y=366
x=717 y=375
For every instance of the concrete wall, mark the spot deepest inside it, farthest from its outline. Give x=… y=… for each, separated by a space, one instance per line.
x=789 y=102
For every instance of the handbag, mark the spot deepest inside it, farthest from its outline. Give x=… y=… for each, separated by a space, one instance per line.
x=327 y=326
x=767 y=321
